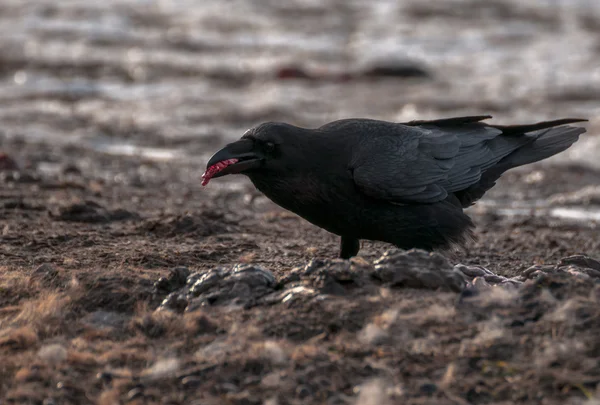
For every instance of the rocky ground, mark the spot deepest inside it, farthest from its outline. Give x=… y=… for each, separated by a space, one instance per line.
x=117 y=291
x=123 y=281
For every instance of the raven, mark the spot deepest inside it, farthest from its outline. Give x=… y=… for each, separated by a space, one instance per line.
x=401 y=183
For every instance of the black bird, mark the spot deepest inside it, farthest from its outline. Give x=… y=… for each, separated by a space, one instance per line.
x=402 y=183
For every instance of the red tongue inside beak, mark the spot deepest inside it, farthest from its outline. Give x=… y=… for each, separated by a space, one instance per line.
x=216 y=168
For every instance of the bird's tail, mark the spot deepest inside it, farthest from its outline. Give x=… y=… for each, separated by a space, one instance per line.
x=548 y=142
x=545 y=143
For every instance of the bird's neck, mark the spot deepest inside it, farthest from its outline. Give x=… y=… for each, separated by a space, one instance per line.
x=296 y=192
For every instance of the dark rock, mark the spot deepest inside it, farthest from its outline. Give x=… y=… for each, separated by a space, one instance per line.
x=106 y=377
x=581 y=261
x=336 y=276
x=175 y=302
x=254 y=276
x=396 y=68
x=71 y=169
x=418 y=269
x=203 y=224
x=535 y=270
x=332 y=277
x=303 y=391
x=314 y=265
x=177 y=278
x=483 y=278
x=289 y=295
x=241 y=285
x=576 y=266
x=292 y=72
x=332 y=287
x=428 y=388
x=22 y=205
x=162 y=284
x=472 y=271
x=494 y=279
x=481 y=284
x=92 y=212
x=45 y=273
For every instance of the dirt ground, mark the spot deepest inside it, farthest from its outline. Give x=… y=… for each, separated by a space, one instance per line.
x=79 y=282
x=123 y=281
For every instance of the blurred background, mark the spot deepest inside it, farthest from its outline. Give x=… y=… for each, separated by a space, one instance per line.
x=170 y=81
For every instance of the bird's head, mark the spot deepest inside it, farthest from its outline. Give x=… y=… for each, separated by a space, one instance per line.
x=270 y=147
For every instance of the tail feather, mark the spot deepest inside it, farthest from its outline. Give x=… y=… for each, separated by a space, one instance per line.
x=444 y=122
x=546 y=143
x=523 y=129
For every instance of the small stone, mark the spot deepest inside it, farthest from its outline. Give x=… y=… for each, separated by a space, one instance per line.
x=253 y=275
x=332 y=287
x=72 y=169
x=494 y=279
x=313 y=266
x=179 y=275
x=105 y=319
x=45 y=272
x=7 y=163
x=53 y=353
x=177 y=278
x=398 y=68
x=105 y=376
x=208 y=280
x=162 y=284
x=175 y=302
x=471 y=271
x=243 y=285
x=580 y=261
x=418 y=269
x=229 y=387
x=135 y=393
x=191 y=381
x=535 y=270
x=481 y=284
x=303 y=391
x=428 y=388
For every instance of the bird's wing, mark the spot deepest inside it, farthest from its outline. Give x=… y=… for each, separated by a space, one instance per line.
x=422 y=163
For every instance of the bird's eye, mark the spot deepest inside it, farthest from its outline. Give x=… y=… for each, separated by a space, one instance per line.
x=269 y=146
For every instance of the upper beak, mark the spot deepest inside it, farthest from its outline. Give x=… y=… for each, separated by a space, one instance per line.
x=243 y=151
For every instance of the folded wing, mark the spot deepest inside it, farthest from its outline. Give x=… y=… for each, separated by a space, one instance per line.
x=424 y=161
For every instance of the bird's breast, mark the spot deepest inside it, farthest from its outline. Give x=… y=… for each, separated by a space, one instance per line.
x=328 y=204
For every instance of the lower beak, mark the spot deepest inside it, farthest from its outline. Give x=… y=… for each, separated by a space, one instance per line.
x=242 y=151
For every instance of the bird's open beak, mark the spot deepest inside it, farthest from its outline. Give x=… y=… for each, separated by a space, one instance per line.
x=237 y=157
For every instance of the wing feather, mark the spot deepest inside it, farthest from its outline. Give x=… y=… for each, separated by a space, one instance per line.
x=424 y=161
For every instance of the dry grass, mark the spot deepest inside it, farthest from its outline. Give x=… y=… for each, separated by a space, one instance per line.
x=90 y=326
x=158 y=354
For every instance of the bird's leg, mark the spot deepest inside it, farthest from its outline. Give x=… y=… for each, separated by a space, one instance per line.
x=349 y=247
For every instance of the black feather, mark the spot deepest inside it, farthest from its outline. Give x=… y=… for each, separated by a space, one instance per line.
x=405 y=184
x=523 y=129
x=449 y=121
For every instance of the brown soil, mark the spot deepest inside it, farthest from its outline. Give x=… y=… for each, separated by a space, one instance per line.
x=82 y=255
x=122 y=281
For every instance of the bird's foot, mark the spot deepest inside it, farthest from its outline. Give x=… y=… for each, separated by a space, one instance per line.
x=349 y=247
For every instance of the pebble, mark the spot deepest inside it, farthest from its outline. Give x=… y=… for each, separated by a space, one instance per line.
x=418 y=269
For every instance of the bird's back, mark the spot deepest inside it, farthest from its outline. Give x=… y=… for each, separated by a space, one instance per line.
x=425 y=161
